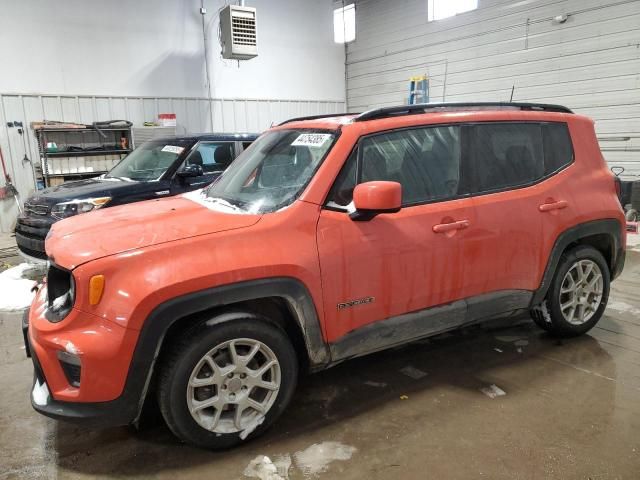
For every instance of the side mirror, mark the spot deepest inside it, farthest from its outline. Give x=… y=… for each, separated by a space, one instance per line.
x=373 y=198
x=190 y=171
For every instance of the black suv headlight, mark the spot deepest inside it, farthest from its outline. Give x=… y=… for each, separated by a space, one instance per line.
x=74 y=207
x=61 y=293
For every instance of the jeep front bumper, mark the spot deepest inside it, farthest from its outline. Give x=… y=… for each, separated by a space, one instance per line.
x=102 y=396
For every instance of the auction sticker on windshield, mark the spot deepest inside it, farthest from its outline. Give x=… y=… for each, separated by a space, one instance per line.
x=311 y=140
x=172 y=149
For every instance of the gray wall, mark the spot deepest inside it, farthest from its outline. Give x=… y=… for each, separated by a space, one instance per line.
x=82 y=61
x=591 y=63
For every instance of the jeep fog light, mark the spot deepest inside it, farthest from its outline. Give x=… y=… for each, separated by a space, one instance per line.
x=71 y=367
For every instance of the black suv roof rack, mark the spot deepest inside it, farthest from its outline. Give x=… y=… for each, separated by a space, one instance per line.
x=315 y=117
x=425 y=107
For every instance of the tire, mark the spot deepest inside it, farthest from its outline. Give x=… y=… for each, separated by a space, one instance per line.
x=574 y=304
x=631 y=215
x=232 y=383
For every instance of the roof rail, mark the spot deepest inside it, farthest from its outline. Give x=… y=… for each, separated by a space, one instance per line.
x=315 y=117
x=426 y=107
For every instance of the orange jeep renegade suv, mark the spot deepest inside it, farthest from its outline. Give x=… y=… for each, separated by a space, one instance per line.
x=329 y=238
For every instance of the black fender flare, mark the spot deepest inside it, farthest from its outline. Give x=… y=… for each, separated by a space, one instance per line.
x=156 y=325
x=610 y=227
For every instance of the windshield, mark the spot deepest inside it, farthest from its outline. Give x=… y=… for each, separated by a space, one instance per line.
x=149 y=161
x=273 y=171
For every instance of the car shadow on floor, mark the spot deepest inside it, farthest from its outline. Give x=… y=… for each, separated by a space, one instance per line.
x=465 y=359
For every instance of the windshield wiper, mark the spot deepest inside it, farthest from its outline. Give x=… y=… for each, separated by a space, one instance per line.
x=126 y=179
x=224 y=202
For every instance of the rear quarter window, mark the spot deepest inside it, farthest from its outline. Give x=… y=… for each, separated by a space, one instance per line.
x=558 y=151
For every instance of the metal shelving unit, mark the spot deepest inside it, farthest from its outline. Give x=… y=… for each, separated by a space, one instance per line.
x=78 y=151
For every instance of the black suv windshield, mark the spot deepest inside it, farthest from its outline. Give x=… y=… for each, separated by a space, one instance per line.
x=273 y=171
x=149 y=161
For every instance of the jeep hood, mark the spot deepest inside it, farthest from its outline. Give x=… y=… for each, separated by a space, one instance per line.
x=109 y=231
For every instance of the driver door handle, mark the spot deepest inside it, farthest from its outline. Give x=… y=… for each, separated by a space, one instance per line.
x=447 y=227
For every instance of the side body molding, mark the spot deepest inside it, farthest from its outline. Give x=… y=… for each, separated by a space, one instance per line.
x=610 y=227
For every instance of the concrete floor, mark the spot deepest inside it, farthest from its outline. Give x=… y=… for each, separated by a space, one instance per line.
x=571 y=410
x=8 y=251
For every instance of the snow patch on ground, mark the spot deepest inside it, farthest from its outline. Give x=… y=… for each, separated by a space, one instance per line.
x=633 y=242
x=623 y=307
x=263 y=468
x=316 y=458
x=283 y=464
x=371 y=383
x=509 y=338
x=15 y=290
x=413 y=372
x=493 y=391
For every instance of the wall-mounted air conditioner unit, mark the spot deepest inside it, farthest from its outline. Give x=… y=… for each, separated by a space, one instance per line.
x=238 y=29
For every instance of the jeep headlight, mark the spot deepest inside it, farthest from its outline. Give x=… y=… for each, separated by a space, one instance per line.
x=74 y=207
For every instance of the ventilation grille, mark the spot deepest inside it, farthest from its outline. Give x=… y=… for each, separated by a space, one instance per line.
x=36 y=209
x=238 y=31
x=244 y=30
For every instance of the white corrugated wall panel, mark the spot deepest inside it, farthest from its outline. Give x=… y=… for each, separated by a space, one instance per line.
x=591 y=63
x=194 y=115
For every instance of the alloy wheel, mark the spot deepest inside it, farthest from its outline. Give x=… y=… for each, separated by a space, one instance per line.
x=581 y=292
x=233 y=386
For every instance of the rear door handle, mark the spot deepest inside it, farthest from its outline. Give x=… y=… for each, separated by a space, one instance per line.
x=559 y=205
x=448 y=227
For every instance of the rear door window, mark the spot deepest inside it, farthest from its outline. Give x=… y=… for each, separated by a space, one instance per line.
x=505 y=155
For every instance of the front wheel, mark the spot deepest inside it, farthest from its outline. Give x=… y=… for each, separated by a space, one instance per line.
x=578 y=294
x=227 y=382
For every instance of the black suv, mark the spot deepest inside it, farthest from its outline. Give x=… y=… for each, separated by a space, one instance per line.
x=159 y=168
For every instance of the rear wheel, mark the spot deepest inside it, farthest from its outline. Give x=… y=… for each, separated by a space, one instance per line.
x=227 y=382
x=578 y=294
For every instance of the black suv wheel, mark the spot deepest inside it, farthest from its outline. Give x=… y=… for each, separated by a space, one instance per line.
x=224 y=383
x=578 y=294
